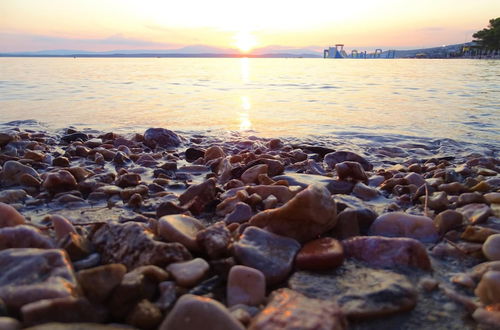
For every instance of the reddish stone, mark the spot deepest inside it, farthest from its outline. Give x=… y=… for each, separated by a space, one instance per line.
x=321 y=254
x=288 y=309
x=387 y=252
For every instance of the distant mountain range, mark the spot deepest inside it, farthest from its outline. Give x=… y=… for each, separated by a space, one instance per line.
x=207 y=51
x=188 y=51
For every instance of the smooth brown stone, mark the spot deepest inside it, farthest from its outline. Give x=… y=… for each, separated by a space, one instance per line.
x=399 y=224
x=59 y=181
x=98 y=282
x=10 y=217
x=145 y=315
x=199 y=313
x=488 y=289
x=321 y=254
x=477 y=233
x=246 y=286
x=491 y=247
x=13 y=170
x=289 y=310
x=213 y=153
x=365 y=192
x=448 y=220
x=67 y=309
x=387 y=252
x=251 y=175
x=180 y=228
x=9 y=323
x=309 y=214
x=128 y=180
x=188 y=273
x=351 y=170
x=469 y=198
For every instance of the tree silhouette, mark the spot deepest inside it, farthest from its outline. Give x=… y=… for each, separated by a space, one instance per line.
x=489 y=38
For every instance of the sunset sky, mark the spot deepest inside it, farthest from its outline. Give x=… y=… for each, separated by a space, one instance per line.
x=100 y=25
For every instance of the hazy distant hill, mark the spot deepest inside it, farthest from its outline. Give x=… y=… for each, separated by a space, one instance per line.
x=208 y=51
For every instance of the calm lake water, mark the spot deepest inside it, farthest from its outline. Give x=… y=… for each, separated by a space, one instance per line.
x=357 y=100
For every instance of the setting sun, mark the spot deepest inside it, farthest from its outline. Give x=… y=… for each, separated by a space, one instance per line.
x=245 y=41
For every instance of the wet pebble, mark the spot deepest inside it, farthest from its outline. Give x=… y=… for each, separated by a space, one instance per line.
x=180 y=228
x=321 y=254
x=246 y=286
x=98 y=282
x=199 y=313
x=399 y=224
x=387 y=252
x=491 y=247
x=310 y=213
x=273 y=255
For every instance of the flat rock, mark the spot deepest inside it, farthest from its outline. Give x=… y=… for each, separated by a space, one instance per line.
x=24 y=236
x=321 y=254
x=251 y=174
x=132 y=244
x=161 y=137
x=381 y=251
x=29 y=275
x=246 y=286
x=66 y=309
x=309 y=214
x=400 y=224
x=361 y=292
x=475 y=212
x=180 y=228
x=188 y=273
x=305 y=180
x=98 y=282
x=272 y=254
x=10 y=196
x=10 y=217
x=288 y=309
x=199 y=313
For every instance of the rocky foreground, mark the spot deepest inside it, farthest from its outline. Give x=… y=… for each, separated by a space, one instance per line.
x=159 y=231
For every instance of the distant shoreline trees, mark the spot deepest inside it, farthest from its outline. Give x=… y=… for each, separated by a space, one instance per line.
x=489 y=38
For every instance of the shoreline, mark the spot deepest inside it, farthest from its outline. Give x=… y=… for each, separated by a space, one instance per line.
x=189 y=216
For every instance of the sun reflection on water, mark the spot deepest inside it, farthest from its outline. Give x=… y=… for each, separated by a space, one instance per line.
x=245 y=123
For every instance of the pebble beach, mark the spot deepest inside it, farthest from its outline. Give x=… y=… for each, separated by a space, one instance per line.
x=166 y=230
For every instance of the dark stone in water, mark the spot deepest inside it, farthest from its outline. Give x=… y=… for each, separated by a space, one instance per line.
x=161 y=137
x=341 y=156
x=75 y=137
x=193 y=154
